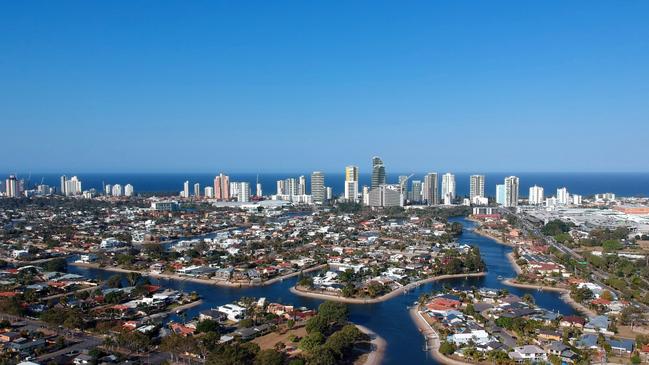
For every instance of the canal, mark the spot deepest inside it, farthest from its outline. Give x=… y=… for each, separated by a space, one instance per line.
x=390 y=319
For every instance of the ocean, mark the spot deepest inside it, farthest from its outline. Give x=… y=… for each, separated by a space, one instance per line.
x=622 y=184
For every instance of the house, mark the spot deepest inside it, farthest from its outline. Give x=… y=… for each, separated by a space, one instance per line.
x=83 y=359
x=475 y=336
x=622 y=346
x=87 y=258
x=442 y=304
x=212 y=315
x=181 y=329
x=232 y=311
x=9 y=336
x=525 y=353
x=572 y=321
x=25 y=345
x=549 y=335
x=597 y=324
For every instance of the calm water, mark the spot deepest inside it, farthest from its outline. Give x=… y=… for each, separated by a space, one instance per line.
x=389 y=319
x=623 y=184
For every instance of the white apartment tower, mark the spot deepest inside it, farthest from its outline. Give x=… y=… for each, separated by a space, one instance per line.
x=511 y=191
x=563 y=198
x=128 y=190
x=117 y=190
x=476 y=186
x=536 y=195
x=318 y=191
x=448 y=188
x=351 y=183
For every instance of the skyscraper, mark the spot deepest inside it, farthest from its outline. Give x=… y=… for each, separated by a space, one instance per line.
x=378 y=172
x=448 y=188
x=351 y=183
x=11 y=187
x=476 y=186
x=244 y=192
x=117 y=190
x=128 y=190
x=415 y=194
x=280 y=187
x=430 y=191
x=318 y=191
x=511 y=191
x=536 y=195
x=563 y=198
x=222 y=187
x=108 y=189
x=260 y=192
x=209 y=192
x=301 y=185
x=72 y=186
x=185 y=192
x=500 y=194
x=64 y=180
x=197 y=190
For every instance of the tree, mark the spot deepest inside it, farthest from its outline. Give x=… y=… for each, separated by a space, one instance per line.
x=316 y=324
x=59 y=265
x=233 y=354
x=269 y=357
x=333 y=312
x=114 y=281
x=607 y=295
x=528 y=298
x=311 y=341
x=133 y=277
x=342 y=340
x=290 y=324
x=446 y=348
x=322 y=356
x=208 y=325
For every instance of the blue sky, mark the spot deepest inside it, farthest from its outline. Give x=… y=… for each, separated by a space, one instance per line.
x=104 y=86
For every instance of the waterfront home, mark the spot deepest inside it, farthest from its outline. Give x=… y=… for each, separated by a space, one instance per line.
x=234 y=312
x=572 y=321
x=474 y=336
x=442 y=305
x=87 y=258
x=211 y=314
x=525 y=353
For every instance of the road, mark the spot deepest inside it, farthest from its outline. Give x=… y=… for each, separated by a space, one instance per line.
x=597 y=276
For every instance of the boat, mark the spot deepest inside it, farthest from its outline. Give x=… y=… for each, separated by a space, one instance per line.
x=500 y=277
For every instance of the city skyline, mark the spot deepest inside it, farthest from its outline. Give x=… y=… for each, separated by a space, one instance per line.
x=128 y=90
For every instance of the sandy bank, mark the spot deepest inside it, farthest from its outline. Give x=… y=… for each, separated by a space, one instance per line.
x=336 y=298
x=512 y=260
x=375 y=357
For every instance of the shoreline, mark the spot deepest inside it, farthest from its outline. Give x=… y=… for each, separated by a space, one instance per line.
x=517 y=268
x=429 y=333
x=565 y=295
x=374 y=357
x=200 y=280
x=390 y=295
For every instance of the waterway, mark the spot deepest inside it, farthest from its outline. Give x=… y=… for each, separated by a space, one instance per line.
x=389 y=319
